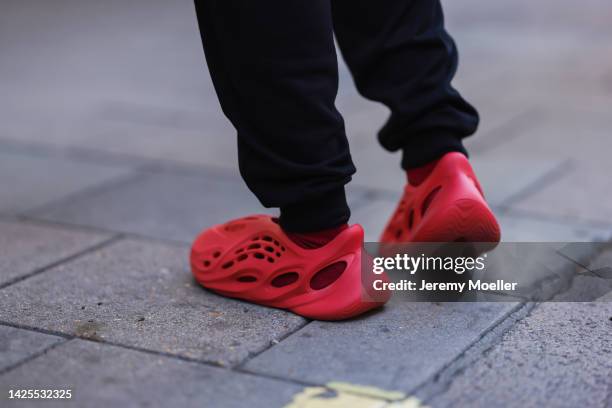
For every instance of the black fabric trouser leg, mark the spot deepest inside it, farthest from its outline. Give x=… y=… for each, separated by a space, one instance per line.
x=400 y=54
x=274 y=68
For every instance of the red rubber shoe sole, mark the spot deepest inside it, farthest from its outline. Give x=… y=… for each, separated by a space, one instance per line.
x=252 y=259
x=448 y=206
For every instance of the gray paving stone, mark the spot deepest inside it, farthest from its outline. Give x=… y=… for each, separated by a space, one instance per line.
x=578 y=134
x=603 y=260
x=377 y=168
x=213 y=143
x=579 y=194
x=101 y=375
x=538 y=268
x=142 y=294
x=476 y=13
x=395 y=349
x=530 y=51
x=519 y=228
x=605 y=298
x=16 y=345
x=502 y=177
x=26 y=247
x=190 y=135
x=162 y=66
x=587 y=287
x=559 y=356
x=31 y=180
x=363 y=119
x=169 y=205
x=553 y=79
x=597 y=283
x=585 y=253
x=500 y=122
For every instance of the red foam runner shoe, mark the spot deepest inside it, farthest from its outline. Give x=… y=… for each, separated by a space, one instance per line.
x=448 y=206
x=252 y=259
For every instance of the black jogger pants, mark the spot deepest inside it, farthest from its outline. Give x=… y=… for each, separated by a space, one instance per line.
x=274 y=67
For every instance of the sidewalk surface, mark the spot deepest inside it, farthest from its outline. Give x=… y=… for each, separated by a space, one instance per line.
x=114 y=154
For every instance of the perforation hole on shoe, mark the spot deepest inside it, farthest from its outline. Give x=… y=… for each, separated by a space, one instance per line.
x=327 y=275
x=259 y=255
x=242 y=257
x=217 y=254
x=206 y=264
x=227 y=265
x=254 y=246
x=429 y=199
x=247 y=279
x=270 y=259
x=269 y=249
x=239 y=250
x=285 y=279
x=267 y=238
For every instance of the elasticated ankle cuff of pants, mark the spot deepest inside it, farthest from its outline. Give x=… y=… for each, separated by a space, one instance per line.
x=426 y=148
x=326 y=211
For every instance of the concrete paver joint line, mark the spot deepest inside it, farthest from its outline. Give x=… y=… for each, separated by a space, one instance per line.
x=179 y=317
x=553 y=357
x=442 y=379
x=275 y=377
x=67 y=338
x=273 y=343
x=37 y=329
x=568 y=220
x=33 y=356
x=125 y=235
x=554 y=174
x=445 y=376
x=64 y=260
x=521 y=122
x=131 y=177
x=89 y=155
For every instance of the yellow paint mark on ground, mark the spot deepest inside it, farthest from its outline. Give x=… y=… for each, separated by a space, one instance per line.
x=319 y=397
x=345 y=395
x=367 y=391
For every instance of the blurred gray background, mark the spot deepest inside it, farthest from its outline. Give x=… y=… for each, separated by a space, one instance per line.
x=114 y=154
x=125 y=83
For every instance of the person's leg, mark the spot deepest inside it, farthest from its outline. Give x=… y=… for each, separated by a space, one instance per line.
x=274 y=67
x=401 y=55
